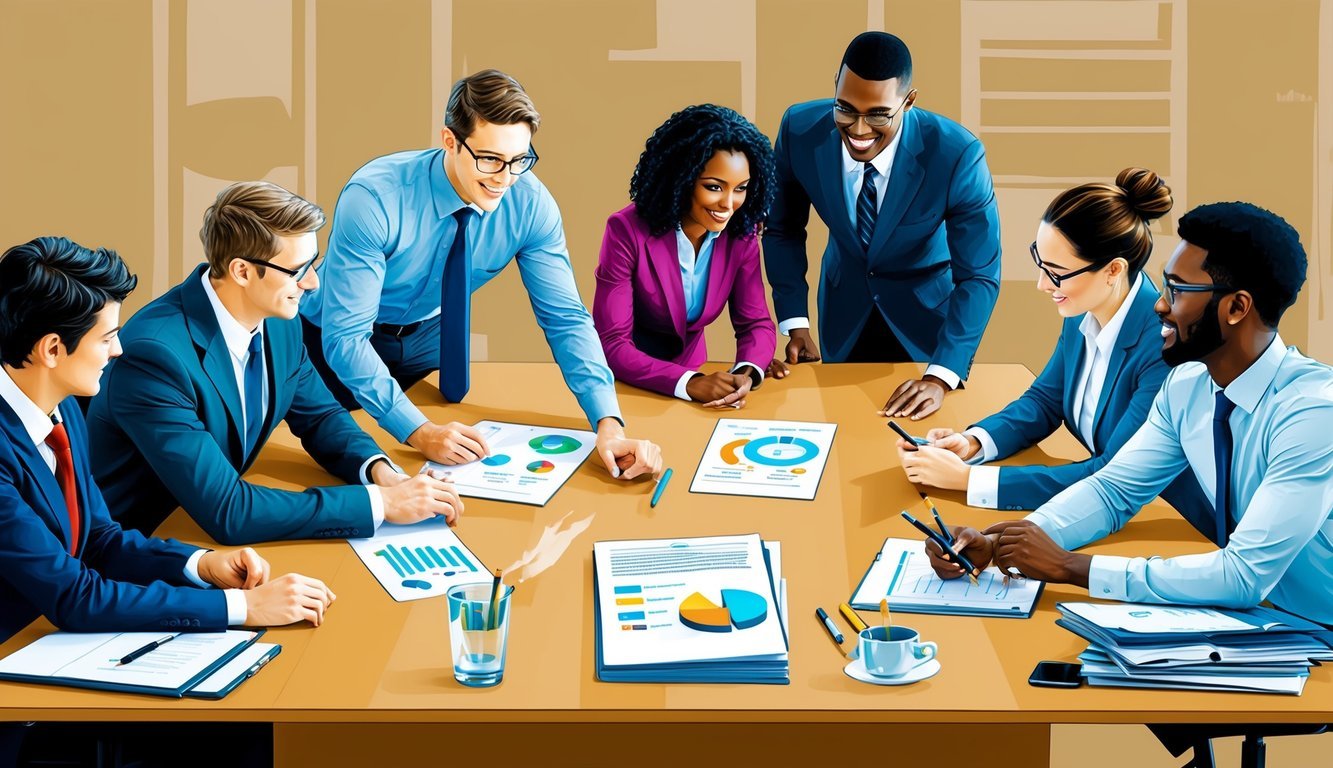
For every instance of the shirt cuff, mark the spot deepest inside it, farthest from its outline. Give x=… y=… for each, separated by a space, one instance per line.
x=1108 y=577
x=792 y=323
x=983 y=487
x=376 y=505
x=237 y=612
x=366 y=479
x=758 y=368
x=403 y=420
x=192 y=570
x=943 y=374
x=680 y=385
x=988 y=450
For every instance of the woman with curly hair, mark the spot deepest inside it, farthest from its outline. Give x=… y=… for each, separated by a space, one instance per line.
x=681 y=251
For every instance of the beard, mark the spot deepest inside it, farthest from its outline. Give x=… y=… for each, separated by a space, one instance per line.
x=1204 y=337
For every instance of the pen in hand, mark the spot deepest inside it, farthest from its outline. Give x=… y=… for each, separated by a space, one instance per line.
x=137 y=652
x=939 y=521
x=948 y=549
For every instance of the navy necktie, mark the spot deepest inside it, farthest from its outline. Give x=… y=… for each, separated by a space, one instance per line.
x=866 y=207
x=1222 y=458
x=456 y=313
x=254 y=392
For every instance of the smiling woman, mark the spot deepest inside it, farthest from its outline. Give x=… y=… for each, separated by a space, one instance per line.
x=684 y=249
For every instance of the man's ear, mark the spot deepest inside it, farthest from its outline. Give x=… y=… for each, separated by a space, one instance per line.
x=240 y=271
x=448 y=139
x=1236 y=307
x=46 y=352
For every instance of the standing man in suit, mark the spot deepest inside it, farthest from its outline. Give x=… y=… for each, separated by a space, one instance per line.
x=414 y=234
x=912 y=266
x=210 y=369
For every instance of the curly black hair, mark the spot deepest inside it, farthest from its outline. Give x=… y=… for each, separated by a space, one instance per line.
x=1249 y=249
x=675 y=155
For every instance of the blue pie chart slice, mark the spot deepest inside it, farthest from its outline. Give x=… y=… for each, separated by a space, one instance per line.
x=747 y=609
x=780 y=451
x=498 y=460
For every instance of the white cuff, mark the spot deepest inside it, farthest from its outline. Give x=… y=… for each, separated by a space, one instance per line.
x=365 y=468
x=792 y=323
x=945 y=375
x=237 y=612
x=376 y=505
x=988 y=450
x=983 y=487
x=737 y=368
x=680 y=385
x=192 y=569
x=1108 y=577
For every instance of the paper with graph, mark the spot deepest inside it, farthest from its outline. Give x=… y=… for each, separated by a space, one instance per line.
x=421 y=560
x=526 y=464
x=902 y=573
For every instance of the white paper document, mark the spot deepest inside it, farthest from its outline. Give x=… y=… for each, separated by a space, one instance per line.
x=687 y=600
x=777 y=459
x=421 y=560
x=526 y=464
x=95 y=657
x=1157 y=619
x=901 y=572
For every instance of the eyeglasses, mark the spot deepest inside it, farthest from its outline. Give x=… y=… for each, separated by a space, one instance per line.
x=845 y=117
x=1174 y=289
x=299 y=273
x=1056 y=279
x=493 y=164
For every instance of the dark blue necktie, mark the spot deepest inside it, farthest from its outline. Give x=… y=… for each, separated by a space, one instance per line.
x=866 y=208
x=1222 y=458
x=254 y=392
x=456 y=313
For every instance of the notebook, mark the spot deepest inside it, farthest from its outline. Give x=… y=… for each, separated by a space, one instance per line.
x=902 y=573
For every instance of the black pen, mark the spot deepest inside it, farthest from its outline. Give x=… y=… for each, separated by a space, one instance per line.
x=944 y=545
x=137 y=652
x=939 y=522
x=829 y=626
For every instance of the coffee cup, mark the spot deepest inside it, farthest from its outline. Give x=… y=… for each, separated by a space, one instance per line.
x=892 y=651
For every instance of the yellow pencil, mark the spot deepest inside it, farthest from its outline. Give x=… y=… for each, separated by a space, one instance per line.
x=853 y=620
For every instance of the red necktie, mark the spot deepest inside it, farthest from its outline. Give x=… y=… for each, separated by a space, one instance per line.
x=58 y=440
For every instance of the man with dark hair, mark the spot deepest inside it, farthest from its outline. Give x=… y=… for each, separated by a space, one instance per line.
x=912 y=266
x=414 y=234
x=212 y=366
x=1248 y=415
x=61 y=555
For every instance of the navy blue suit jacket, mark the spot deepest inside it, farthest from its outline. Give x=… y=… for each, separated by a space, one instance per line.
x=933 y=266
x=166 y=430
x=118 y=580
x=1134 y=373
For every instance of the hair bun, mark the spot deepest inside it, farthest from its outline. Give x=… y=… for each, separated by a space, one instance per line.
x=1145 y=192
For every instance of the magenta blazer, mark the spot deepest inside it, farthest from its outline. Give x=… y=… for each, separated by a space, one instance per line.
x=639 y=307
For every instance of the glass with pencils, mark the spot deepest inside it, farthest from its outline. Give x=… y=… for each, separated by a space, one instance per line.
x=478 y=631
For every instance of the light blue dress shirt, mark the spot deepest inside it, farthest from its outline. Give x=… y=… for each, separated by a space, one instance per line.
x=1281 y=486
x=694 y=271
x=392 y=230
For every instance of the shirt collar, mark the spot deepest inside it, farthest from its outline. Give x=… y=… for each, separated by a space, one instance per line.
x=442 y=191
x=883 y=162
x=235 y=335
x=38 y=425
x=683 y=242
x=1250 y=387
x=1104 y=337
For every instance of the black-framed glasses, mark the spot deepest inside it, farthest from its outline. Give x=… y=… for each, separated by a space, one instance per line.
x=1175 y=288
x=1054 y=278
x=493 y=164
x=299 y=273
x=845 y=117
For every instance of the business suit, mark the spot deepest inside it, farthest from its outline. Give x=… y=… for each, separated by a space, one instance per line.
x=116 y=580
x=167 y=430
x=1134 y=374
x=932 y=269
x=640 y=309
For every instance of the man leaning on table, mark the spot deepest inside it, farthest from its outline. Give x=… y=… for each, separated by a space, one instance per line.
x=211 y=367
x=414 y=234
x=1248 y=415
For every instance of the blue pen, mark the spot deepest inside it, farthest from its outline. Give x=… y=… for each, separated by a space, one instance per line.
x=829 y=626
x=661 y=486
x=944 y=545
x=939 y=521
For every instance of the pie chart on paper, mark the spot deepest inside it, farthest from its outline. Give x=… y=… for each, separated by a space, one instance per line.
x=552 y=444
x=740 y=609
x=540 y=467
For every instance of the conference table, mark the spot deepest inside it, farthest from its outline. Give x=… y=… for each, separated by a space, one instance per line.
x=374 y=684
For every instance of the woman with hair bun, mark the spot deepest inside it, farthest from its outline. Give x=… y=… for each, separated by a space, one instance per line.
x=681 y=251
x=1092 y=245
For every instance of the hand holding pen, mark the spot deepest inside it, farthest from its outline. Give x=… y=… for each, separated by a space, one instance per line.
x=961 y=563
x=970 y=543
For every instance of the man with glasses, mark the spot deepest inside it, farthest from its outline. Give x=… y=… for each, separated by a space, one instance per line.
x=414 y=234
x=209 y=370
x=912 y=267
x=1248 y=415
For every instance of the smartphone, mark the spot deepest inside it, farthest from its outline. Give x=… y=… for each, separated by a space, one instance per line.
x=912 y=442
x=1056 y=674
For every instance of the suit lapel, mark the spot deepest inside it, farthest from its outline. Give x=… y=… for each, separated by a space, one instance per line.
x=905 y=179
x=1073 y=364
x=37 y=469
x=719 y=268
x=828 y=164
x=1143 y=301
x=665 y=262
x=208 y=341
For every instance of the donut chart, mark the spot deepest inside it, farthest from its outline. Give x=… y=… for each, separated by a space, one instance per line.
x=780 y=451
x=540 y=467
x=554 y=444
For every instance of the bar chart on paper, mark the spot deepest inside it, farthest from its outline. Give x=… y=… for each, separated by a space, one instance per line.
x=417 y=561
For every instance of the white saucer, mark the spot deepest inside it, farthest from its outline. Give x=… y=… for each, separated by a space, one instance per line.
x=857 y=671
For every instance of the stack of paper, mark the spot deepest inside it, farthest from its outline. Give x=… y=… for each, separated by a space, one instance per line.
x=707 y=610
x=1261 y=650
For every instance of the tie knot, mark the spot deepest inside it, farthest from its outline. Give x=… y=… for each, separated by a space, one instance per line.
x=1223 y=406
x=462 y=215
x=871 y=173
x=256 y=343
x=58 y=440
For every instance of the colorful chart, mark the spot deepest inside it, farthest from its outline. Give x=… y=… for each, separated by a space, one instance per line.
x=551 y=444
x=407 y=561
x=780 y=451
x=498 y=460
x=729 y=451
x=540 y=467
x=740 y=608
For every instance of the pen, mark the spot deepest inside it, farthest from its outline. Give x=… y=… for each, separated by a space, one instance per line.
x=944 y=531
x=494 y=622
x=137 y=652
x=852 y=618
x=944 y=545
x=829 y=626
x=661 y=487
x=912 y=441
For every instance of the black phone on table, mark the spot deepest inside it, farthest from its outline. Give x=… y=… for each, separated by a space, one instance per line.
x=1056 y=674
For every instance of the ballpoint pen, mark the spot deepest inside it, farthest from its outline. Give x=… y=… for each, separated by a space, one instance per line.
x=829 y=626
x=137 y=652
x=944 y=531
x=661 y=487
x=944 y=545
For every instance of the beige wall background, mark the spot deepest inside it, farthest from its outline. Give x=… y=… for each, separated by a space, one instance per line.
x=120 y=119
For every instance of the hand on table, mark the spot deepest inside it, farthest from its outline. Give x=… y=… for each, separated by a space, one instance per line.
x=1023 y=546
x=777 y=369
x=421 y=497
x=936 y=467
x=801 y=348
x=624 y=458
x=719 y=390
x=915 y=398
x=451 y=443
x=968 y=542
x=287 y=600
x=233 y=568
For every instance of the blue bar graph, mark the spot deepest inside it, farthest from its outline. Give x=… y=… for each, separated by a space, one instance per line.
x=411 y=559
x=464 y=559
x=407 y=561
x=449 y=557
x=398 y=569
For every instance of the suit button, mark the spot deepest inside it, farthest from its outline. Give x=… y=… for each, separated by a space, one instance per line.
x=872 y=273
x=875 y=297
